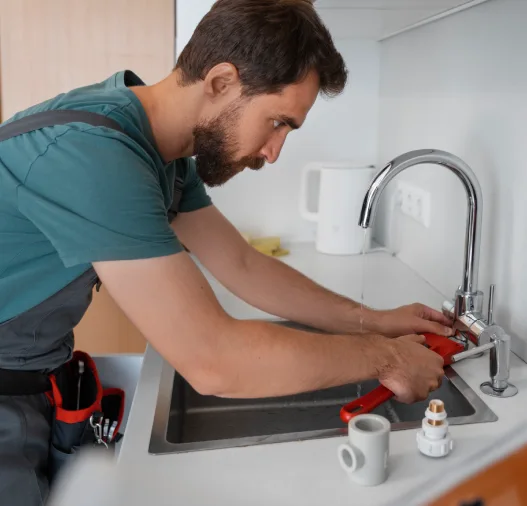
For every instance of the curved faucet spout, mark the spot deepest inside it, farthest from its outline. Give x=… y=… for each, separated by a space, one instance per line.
x=471 y=185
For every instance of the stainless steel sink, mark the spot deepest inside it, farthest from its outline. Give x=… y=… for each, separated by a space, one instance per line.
x=187 y=421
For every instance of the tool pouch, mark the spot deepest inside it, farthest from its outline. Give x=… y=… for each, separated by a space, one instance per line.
x=81 y=410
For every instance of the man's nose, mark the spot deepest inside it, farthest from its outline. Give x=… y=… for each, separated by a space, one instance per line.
x=271 y=151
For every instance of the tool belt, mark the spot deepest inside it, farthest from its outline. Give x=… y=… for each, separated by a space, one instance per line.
x=14 y=382
x=84 y=413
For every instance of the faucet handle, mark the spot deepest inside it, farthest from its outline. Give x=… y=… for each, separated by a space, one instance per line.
x=490 y=314
x=476 y=350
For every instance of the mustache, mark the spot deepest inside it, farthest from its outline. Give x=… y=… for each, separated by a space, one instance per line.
x=252 y=162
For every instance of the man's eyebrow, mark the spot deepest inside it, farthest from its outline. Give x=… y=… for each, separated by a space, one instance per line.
x=290 y=122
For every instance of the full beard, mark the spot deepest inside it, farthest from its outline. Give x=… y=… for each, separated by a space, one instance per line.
x=215 y=147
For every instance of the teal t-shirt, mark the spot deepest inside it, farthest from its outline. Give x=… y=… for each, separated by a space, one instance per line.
x=74 y=194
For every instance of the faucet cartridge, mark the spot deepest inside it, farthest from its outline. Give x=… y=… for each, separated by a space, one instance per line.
x=434 y=439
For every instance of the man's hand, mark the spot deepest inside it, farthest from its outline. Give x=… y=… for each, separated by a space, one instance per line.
x=411 y=319
x=413 y=370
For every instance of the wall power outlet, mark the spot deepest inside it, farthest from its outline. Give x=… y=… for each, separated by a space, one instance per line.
x=414 y=202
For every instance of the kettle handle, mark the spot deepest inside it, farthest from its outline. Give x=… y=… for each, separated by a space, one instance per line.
x=304 y=186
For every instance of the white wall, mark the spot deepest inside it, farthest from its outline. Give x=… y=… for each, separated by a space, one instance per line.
x=343 y=128
x=188 y=15
x=460 y=85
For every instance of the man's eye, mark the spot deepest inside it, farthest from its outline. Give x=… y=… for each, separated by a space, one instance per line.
x=277 y=124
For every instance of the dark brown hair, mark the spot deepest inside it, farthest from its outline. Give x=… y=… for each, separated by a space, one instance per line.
x=272 y=43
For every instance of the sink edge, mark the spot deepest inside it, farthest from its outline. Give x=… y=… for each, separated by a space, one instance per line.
x=159 y=445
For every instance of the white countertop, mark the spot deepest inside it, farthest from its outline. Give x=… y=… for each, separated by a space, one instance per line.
x=307 y=473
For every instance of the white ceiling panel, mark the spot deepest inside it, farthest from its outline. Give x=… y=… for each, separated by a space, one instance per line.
x=389 y=4
x=379 y=19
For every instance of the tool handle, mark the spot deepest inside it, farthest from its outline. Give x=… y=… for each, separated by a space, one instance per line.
x=366 y=403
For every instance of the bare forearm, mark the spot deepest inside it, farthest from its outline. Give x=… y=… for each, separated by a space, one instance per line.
x=278 y=289
x=260 y=359
x=266 y=282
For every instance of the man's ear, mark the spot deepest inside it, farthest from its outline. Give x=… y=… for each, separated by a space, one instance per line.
x=222 y=81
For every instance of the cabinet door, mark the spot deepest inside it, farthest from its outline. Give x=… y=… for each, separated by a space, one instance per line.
x=49 y=47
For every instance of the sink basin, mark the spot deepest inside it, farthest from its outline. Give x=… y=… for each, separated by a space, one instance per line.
x=187 y=421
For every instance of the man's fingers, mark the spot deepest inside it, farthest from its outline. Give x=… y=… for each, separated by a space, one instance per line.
x=435 y=316
x=434 y=328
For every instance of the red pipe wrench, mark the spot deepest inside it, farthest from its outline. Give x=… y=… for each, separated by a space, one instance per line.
x=440 y=344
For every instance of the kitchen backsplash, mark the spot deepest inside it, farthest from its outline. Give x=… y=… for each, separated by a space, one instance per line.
x=460 y=85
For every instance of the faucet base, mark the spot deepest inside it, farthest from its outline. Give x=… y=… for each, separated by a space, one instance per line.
x=508 y=391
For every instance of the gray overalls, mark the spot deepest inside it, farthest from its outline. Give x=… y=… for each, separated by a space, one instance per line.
x=46 y=334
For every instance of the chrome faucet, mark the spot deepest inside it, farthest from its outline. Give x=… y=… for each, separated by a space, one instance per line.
x=466 y=307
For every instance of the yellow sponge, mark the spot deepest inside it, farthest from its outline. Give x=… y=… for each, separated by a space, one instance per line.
x=280 y=252
x=267 y=245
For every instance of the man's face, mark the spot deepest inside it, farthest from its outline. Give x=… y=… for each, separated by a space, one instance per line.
x=248 y=132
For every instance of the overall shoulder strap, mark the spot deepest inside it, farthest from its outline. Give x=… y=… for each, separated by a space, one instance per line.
x=178 y=193
x=52 y=118
x=64 y=116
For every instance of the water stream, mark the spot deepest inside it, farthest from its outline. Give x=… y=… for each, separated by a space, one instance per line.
x=363 y=281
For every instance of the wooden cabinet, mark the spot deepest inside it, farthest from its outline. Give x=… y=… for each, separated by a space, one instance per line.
x=501 y=484
x=106 y=329
x=49 y=47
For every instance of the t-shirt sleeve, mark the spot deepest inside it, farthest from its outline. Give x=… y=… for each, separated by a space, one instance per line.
x=95 y=197
x=194 y=194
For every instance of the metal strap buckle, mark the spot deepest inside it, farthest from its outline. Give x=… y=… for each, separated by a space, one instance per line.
x=96 y=425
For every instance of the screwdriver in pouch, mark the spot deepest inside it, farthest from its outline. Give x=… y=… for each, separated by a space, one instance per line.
x=81 y=372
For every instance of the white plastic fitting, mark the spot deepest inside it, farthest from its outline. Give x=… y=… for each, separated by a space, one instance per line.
x=434 y=439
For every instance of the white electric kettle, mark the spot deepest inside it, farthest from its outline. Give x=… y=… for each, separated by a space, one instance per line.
x=341 y=193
